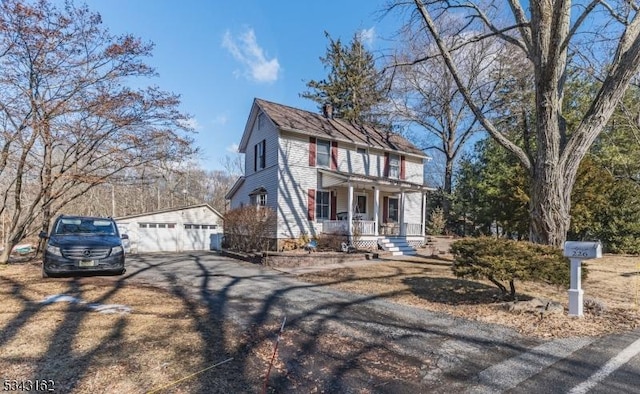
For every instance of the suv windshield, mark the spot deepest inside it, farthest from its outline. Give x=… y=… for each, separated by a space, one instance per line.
x=83 y=226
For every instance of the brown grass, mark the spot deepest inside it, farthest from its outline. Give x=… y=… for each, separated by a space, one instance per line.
x=613 y=282
x=167 y=338
x=84 y=351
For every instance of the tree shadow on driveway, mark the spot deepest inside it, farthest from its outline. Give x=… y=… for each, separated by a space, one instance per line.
x=332 y=342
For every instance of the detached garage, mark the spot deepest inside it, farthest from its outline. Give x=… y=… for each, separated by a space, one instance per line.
x=197 y=227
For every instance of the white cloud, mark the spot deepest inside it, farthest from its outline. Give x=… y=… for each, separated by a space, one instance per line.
x=233 y=148
x=245 y=49
x=367 y=36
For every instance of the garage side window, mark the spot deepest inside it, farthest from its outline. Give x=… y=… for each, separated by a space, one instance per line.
x=192 y=226
x=157 y=225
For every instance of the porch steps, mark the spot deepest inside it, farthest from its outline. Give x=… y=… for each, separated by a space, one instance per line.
x=398 y=246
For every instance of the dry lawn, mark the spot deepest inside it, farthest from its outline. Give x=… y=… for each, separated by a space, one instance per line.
x=168 y=343
x=612 y=292
x=163 y=340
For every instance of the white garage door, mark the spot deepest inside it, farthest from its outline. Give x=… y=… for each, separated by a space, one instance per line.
x=199 y=236
x=157 y=237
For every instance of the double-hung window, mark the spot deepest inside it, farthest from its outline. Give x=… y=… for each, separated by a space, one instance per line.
x=394 y=166
x=323 y=153
x=322 y=205
x=393 y=210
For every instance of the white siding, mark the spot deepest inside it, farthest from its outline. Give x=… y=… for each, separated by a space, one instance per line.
x=169 y=239
x=267 y=177
x=269 y=133
x=296 y=178
x=413 y=208
x=414 y=170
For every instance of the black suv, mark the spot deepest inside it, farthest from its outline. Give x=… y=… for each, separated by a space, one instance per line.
x=83 y=244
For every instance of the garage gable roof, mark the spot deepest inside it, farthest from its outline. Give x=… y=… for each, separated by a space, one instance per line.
x=170 y=210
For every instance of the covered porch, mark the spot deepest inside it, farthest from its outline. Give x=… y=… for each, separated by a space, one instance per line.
x=373 y=207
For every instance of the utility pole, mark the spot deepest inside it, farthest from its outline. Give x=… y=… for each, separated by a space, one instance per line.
x=113 y=200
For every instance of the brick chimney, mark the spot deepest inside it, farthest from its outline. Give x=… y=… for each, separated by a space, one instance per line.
x=327 y=110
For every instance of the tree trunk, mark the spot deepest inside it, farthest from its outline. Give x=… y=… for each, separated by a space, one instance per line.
x=550 y=207
x=446 y=201
x=4 y=255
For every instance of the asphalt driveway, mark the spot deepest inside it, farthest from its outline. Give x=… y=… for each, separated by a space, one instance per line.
x=455 y=354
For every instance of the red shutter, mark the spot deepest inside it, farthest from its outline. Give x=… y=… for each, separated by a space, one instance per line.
x=386 y=164
x=334 y=155
x=312 y=151
x=334 y=205
x=385 y=209
x=311 y=208
x=402 y=167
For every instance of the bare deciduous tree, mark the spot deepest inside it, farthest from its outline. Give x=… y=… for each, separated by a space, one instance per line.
x=425 y=95
x=545 y=33
x=69 y=120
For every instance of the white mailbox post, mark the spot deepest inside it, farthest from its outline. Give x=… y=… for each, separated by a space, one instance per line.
x=576 y=252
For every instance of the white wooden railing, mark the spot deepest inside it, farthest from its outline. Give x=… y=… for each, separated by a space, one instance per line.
x=361 y=227
x=368 y=227
x=412 y=229
x=334 y=227
x=364 y=227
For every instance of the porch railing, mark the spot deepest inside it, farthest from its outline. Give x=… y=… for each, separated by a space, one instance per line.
x=368 y=227
x=361 y=227
x=364 y=227
x=334 y=227
x=413 y=229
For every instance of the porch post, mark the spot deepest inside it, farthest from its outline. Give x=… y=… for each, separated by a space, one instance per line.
x=403 y=228
x=376 y=209
x=424 y=214
x=350 y=212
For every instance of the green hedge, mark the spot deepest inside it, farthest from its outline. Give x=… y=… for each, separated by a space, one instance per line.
x=503 y=261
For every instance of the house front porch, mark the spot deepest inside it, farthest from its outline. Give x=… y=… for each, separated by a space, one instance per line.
x=367 y=209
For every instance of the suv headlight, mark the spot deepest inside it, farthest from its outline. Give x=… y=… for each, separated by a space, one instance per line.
x=117 y=250
x=54 y=250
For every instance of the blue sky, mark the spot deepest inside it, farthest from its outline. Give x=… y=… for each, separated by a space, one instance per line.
x=219 y=55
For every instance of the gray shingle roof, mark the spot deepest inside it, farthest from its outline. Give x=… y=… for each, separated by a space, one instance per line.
x=313 y=124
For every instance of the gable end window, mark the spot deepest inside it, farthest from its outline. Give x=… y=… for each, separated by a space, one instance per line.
x=260 y=121
x=259 y=155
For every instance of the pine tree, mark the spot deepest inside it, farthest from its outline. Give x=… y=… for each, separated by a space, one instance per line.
x=353 y=86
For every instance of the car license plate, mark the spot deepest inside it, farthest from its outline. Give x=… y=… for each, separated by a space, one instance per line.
x=86 y=263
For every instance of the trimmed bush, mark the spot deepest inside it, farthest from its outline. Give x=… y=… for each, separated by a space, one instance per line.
x=503 y=261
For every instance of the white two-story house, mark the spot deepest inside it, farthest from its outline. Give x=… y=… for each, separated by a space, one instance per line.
x=324 y=175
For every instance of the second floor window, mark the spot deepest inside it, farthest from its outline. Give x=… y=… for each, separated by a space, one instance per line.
x=394 y=166
x=259 y=158
x=323 y=153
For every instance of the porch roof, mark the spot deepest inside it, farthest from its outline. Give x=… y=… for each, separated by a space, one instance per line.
x=338 y=178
